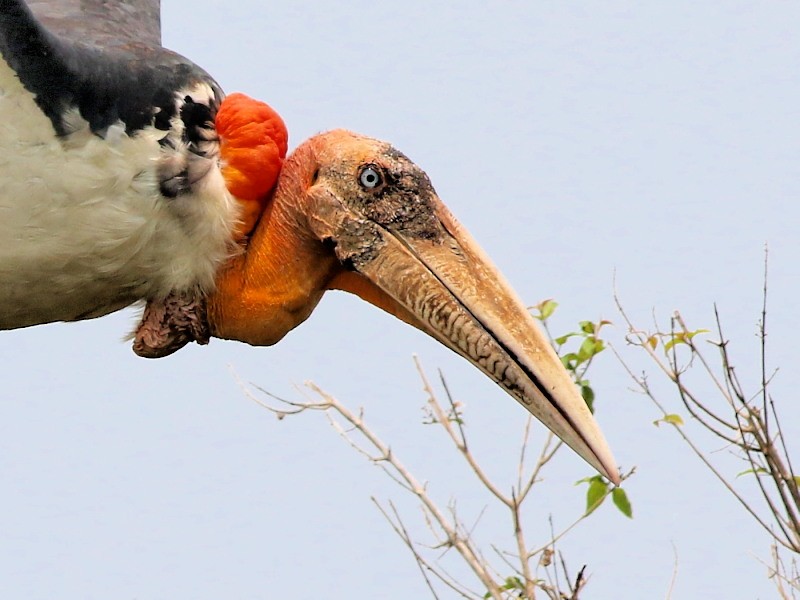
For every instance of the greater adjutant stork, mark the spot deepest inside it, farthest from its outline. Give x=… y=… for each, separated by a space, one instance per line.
x=126 y=175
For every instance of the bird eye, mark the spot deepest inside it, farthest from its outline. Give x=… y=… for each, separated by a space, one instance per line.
x=370 y=177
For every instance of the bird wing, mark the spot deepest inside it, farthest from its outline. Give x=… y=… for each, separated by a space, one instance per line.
x=99 y=66
x=113 y=176
x=102 y=23
x=109 y=175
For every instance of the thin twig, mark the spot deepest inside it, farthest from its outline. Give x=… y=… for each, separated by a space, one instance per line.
x=583 y=516
x=645 y=388
x=750 y=423
x=519 y=536
x=549 y=450
x=460 y=443
x=422 y=564
x=762 y=330
x=674 y=577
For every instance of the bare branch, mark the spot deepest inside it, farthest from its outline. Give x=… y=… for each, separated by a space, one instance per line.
x=765 y=453
x=424 y=566
x=523 y=447
x=458 y=439
x=645 y=388
x=549 y=450
x=762 y=332
x=524 y=557
x=462 y=545
x=447 y=529
x=674 y=577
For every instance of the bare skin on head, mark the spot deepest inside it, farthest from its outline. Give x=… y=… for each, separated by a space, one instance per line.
x=354 y=214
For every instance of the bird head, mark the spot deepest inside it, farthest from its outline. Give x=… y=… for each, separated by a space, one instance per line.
x=355 y=214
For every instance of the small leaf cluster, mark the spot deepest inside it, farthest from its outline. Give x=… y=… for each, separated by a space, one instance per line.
x=576 y=361
x=599 y=490
x=670 y=340
x=455 y=414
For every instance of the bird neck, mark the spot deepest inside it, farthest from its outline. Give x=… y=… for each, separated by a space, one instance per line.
x=273 y=286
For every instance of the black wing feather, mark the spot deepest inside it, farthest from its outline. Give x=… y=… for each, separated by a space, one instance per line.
x=119 y=72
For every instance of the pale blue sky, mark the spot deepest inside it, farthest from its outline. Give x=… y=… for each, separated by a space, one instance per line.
x=575 y=140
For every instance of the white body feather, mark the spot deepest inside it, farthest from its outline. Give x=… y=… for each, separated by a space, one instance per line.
x=84 y=230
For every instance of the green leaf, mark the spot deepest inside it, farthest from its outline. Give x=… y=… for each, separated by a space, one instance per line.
x=563 y=339
x=587 y=349
x=597 y=492
x=620 y=499
x=590 y=347
x=587 y=327
x=569 y=360
x=691 y=334
x=513 y=583
x=546 y=309
x=588 y=396
x=678 y=338
x=682 y=337
x=671 y=419
x=756 y=471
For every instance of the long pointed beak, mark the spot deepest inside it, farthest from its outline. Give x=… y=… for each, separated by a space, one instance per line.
x=454 y=293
